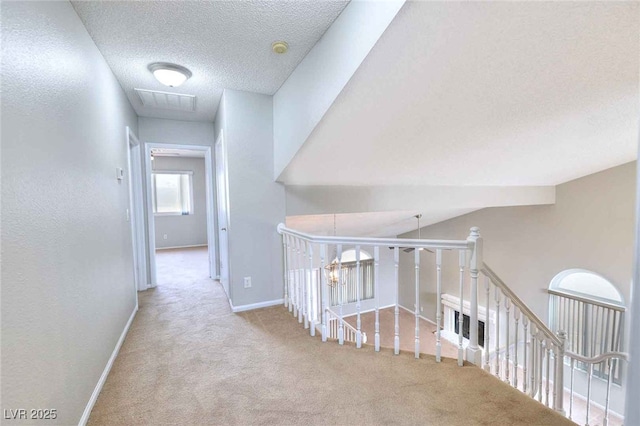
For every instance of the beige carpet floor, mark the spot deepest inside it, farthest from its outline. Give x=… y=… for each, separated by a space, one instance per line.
x=188 y=360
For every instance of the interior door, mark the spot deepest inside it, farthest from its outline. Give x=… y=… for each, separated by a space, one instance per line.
x=223 y=211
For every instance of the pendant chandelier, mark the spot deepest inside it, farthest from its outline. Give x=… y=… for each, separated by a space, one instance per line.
x=332 y=270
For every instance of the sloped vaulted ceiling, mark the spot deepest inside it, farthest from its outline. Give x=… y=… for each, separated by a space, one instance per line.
x=485 y=93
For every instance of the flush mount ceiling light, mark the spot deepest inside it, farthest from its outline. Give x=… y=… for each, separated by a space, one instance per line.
x=171 y=75
x=280 y=47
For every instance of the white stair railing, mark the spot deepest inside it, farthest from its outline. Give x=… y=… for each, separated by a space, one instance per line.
x=530 y=361
x=349 y=332
x=306 y=291
x=519 y=348
x=608 y=360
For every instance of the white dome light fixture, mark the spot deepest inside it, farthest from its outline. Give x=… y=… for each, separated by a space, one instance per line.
x=171 y=75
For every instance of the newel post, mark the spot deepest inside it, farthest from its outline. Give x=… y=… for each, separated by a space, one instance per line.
x=474 y=354
x=558 y=380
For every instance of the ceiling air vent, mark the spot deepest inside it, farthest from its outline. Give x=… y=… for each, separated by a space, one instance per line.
x=166 y=100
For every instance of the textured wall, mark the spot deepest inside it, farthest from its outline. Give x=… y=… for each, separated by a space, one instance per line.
x=256 y=202
x=67 y=272
x=184 y=230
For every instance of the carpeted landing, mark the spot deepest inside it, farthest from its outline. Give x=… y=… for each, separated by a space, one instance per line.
x=189 y=360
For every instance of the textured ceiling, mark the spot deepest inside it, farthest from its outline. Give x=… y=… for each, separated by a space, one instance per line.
x=485 y=93
x=225 y=44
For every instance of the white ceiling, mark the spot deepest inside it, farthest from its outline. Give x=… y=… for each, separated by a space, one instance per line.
x=225 y=44
x=376 y=224
x=485 y=93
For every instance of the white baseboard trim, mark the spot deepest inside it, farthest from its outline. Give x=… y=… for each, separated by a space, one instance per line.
x=258 y=305
x=335 y=309
x=105 y=373
x=180 y=247
x=419 y=316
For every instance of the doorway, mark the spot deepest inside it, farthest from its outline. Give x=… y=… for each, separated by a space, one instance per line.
x=180 y=207
x=135 y=213
x=222 y=198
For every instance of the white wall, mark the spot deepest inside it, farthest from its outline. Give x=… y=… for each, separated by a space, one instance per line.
x=302 y=101
x=67 y=271
x=590 y=226
x=256 y=202
x=184 y=230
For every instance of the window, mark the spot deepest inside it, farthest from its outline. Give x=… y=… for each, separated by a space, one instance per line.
x=347 y=292
x=172 y=193
x=590 y=309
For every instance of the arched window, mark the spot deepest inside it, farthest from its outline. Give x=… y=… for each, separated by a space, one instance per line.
x=590 y=309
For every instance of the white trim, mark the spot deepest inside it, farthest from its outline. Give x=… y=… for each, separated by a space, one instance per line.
x=365 y=311
x=419 y=316
x=211 y=221
x=179 y=247
x=258 y=305
x=105 y=372
x=136 y=211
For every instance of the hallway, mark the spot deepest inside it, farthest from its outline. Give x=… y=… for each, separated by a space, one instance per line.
x=189 y=360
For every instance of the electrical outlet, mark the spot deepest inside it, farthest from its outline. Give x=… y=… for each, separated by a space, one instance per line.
x=164 y=236
x=247 y=282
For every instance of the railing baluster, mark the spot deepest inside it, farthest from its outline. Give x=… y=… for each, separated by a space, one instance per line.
x=605 y=422
x=573 y=362
x=516 y=318
x=311 y=313
x=589 y=394
x=507 y=357
x=487 y=323
x=285 y=280
x=438 y=303
x=548 y=359
x=376 y=290
x=497 y=351
x=540 y=365
x=417 y=305
x=525 y=365
x=340 y=286
x=289 y=269
x=358 y=287
x=396 y=338
x=297 y=277
x=325 y=290
x=558 y=390
x=533 y=375
x=305 y=281
x=461 y=264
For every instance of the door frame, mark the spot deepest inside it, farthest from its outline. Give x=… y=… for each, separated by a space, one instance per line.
x=222 y=162
x=209 y=196
x=135 y=215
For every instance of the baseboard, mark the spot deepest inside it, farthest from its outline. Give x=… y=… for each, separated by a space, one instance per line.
x=258 y=305
x=105 y=373
x=181 y=247
x=335 y=308
x=419 y=316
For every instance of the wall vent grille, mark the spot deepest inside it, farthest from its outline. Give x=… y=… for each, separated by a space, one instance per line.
x=166 y=100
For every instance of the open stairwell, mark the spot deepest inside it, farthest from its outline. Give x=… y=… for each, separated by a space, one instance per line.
x=518 y=348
